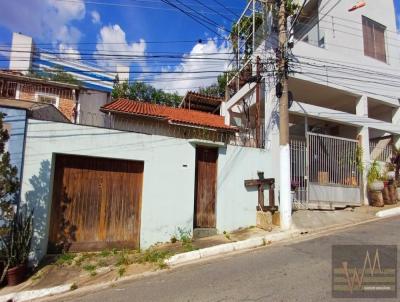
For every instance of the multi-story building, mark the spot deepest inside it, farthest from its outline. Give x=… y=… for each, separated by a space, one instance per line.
x=344 y=78
x=26 y=56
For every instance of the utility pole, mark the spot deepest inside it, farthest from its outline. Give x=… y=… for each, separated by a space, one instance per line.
x=285 y=203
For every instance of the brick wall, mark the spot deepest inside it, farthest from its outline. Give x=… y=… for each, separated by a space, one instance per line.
x=65 y=105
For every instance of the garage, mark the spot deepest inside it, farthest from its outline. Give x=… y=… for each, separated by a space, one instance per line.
x=96 y=204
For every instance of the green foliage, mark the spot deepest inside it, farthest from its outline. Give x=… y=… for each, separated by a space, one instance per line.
x=17 y=242
x=374 y=172
x=153 y=256
x=105 y=253
x=359 y=158
x=65 y=259
x=57 y=75
x=9 y=183
x=89 y=267
x=185 y=236
x=121 y=271
x=140 y=91
x=216 y=89
x=292 y=6
x=239 y=30
x=123 y=259
x=227 y=236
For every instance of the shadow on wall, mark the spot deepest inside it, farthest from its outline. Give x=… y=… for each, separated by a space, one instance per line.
x=38 y=200
x=63 y=234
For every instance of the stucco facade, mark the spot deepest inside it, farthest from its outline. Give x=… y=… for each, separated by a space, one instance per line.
x=169 y=177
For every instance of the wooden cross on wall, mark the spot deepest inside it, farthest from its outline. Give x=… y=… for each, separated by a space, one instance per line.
x=260 y=184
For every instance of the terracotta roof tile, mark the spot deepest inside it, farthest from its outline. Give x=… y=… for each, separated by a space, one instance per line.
x=171 y=114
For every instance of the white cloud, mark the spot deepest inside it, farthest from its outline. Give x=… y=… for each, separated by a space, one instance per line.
x=182 y=82
x=95 y=17
x=44 y=19
x=112 y=40
x=69 y=52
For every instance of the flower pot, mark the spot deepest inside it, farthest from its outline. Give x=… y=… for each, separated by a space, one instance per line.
x=376 y=185
x=16 y=275
x=392 y=194
x=391 y=175
x=376 y=199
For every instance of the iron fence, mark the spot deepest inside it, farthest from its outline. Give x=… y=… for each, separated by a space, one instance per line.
x=298 y=171
x=381 y=149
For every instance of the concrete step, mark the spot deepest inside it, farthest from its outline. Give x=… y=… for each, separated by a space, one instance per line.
x=204 y=232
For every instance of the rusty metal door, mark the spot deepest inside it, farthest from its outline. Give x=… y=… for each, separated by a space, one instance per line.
x=205 y=188
x=96 y=203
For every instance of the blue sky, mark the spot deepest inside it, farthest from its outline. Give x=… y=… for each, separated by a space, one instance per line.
x=128 y=26
x=78 y=26
x=397 y=7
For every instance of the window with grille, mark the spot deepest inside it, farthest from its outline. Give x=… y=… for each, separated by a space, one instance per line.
x=374 y=39
x=47 y=99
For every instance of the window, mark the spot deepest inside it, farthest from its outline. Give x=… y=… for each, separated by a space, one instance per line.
x=47 y=99
x=374 y=39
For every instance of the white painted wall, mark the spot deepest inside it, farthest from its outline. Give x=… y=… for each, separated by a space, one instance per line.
x=21 y=54
x=344 y=45
x=169 y=177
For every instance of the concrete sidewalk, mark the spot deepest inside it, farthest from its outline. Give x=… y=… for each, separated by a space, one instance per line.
x=305 y=222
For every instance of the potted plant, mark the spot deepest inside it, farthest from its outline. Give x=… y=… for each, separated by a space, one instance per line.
x=375 y=182
x=17 y=244
x=395 y=161
x=375 y=185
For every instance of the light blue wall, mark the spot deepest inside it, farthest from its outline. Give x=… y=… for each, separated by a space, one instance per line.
x=168 y=183
x=16 y=119
x=236 y=204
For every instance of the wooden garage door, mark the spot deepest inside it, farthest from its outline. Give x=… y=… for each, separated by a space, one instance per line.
x=96 y=204
x=206 y=186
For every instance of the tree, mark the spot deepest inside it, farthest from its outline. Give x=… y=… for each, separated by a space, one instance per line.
x=9 y=183
x=216 y=89
x=57 y=75
x=140 y=91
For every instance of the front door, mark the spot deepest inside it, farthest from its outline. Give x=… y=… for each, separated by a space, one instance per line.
x=206 y=186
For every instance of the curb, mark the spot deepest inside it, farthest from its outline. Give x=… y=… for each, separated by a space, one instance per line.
x=29 y=295
x=185 y=258
x=231 y=247
x=388 y=213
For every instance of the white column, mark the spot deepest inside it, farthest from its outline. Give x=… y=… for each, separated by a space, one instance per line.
x=17 y=91
x=362 y=110
x=285 y=201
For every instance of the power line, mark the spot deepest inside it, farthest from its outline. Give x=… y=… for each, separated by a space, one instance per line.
x=123 y=5
x=223 y=6
x=200 y=40
x=191 y=16
x=215 y=11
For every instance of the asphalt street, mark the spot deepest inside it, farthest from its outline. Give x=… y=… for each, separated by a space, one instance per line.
x=295 y=271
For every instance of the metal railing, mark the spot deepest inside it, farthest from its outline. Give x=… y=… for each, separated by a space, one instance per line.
x=333 y=160
x=27 y=90
x=298 y=171
x=249 y=34
x=381 y=149
x=324 y=168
